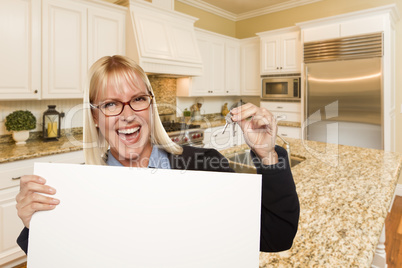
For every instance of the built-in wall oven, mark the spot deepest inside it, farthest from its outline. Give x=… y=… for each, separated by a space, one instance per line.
x=285 y=86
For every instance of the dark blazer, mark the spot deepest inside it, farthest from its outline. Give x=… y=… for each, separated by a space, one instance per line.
x=279 y=204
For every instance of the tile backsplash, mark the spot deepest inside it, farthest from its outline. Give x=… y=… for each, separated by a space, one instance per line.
x=72 y=108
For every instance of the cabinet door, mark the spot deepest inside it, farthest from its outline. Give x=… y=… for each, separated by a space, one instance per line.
x=289 y=132
x=290 y=52
x=201 y=84
x=213 y=58
x=250 y=64
x=232 y=68
x=270 y=54
x=217 y=67
x=213 y=137
x=64 y=35
x=10 y=226
x=20 y=71
x=106 y=34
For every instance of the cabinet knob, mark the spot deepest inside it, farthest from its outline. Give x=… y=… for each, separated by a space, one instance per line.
x=35 y=91
x=284 y=134
x=279 y=107
x=277 y=68
x=16 y=178
x=227 y=91
x=281 y=68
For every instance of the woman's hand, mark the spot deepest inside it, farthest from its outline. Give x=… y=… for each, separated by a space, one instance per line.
x=30 y=198
x=259 y=129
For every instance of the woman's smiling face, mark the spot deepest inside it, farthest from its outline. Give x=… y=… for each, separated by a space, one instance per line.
x=128 y=134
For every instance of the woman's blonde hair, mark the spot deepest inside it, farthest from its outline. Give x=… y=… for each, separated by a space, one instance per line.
x=113 y=71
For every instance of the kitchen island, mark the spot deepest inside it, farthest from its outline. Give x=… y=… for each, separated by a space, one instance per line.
x=345 y=193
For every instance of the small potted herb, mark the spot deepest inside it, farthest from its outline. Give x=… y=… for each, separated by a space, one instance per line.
x=19 y=123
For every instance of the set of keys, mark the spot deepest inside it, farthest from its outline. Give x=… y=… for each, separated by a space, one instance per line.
x=229 y=121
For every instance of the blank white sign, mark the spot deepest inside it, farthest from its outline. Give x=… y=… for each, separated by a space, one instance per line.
x=138 y=217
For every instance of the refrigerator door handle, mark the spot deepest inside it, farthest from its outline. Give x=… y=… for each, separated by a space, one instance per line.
x=305 y=103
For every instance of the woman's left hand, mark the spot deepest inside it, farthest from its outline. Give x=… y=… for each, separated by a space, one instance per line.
x=259 y=129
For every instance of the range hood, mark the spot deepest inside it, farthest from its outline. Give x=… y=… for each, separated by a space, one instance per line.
x=162 y=41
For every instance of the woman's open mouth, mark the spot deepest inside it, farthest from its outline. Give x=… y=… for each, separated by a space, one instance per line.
x=130 y=135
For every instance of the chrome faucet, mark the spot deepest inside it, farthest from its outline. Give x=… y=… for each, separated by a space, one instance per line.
x=286 y=144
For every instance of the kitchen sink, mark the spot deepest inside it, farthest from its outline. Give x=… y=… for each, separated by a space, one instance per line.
x=242 y=163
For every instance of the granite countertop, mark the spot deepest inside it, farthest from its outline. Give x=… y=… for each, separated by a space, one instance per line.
x=345 y=193
x=36 y=147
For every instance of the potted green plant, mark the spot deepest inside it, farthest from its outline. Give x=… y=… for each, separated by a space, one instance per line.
x=19 y=123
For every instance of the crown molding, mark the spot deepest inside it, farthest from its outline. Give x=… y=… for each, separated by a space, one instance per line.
x=210 y=8
x=247 y=15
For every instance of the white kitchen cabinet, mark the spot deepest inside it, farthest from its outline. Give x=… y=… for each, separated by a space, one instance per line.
x=74 y=35
x=20 y=49
x=10 y=227
x=64 y=35
x=289 y=132
x=232 y=67
x=10 y=223
x=213 y=137
x=250 y=80
x=280 y=51
x=221 y=64
x=342 y=28
x=212 y=82
x=48 y=45
x=288 y=111
x=285 y=111
x=106 y=33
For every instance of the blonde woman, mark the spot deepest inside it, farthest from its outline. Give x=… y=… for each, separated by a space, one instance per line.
x=122 y=128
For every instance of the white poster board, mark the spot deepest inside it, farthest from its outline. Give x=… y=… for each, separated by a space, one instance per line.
x=132 y=217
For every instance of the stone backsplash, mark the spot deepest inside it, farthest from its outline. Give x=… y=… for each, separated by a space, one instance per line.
x=165 y=93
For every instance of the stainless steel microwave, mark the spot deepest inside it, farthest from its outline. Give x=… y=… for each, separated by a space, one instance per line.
x=281 y=87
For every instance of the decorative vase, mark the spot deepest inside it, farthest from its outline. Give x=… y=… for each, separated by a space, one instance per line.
x=20 y=137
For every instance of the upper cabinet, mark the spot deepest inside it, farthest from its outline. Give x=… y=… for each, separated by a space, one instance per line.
x=64 y=43
x=74 y=36
x=106 y=33
x=221 y=63
x=20 y=49
x=250 y=80
x=342 y=28
x=50 y=45
x=280 y=51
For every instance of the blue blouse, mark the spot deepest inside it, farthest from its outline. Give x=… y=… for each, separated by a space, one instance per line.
x=158 y=159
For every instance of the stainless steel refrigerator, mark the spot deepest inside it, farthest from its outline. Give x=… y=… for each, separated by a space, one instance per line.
x=343 y=91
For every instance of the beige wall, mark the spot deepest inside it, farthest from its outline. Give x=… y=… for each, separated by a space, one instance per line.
x=286 y=18
x=208 y=21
